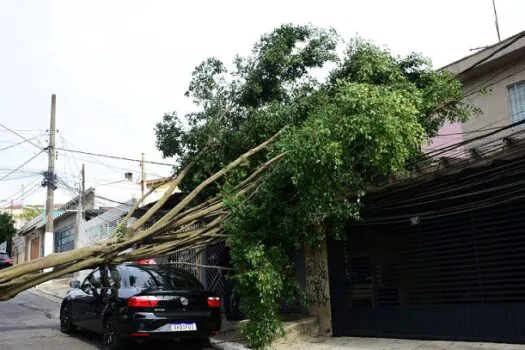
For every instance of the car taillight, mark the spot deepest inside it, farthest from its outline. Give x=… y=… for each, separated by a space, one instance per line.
x=214 y=302
x=146 y=262
x=143 y=301
x=9 y=260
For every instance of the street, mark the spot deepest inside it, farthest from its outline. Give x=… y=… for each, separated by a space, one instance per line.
x=31 y=322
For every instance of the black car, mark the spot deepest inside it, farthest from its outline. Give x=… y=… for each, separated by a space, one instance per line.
x=141 y=302
x=5 y=260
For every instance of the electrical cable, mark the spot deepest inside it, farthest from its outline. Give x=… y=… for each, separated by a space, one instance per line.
x=413 y=180
x=33 y=190
x=114 y=157
x=23 y=190
x=26 y=162
x=17 y=134
x=511 y=41
x=18 y=143
x=111 y=167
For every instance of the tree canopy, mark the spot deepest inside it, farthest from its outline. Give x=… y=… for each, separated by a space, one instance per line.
x=7 y=226
x=28 y=214
x=345 y=121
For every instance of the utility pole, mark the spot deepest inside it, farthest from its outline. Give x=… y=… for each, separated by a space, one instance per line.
x=143 y=177
x=83 y=188
x=49 y=181
x=496 y=17
x=81 y=209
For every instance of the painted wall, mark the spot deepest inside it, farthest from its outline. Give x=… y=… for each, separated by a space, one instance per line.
x=494 y=106
x=449 y=134
x=318 y=288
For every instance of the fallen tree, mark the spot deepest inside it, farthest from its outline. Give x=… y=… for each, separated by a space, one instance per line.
x=171 y=228
x=276 y=158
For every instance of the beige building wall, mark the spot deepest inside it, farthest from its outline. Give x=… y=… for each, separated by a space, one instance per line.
x=494 y=106
x=495 y=68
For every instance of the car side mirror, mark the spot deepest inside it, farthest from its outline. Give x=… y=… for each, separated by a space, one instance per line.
x=74 y=284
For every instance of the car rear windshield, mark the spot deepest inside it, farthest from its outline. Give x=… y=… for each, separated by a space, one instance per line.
x=163 y=277
x=4 y=256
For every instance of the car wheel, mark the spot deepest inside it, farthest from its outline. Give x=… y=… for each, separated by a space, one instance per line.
x=66 y=319
x=111 y=338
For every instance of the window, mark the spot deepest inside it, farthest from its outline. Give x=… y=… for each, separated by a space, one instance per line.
x=516 y=97
x=163 y=277
x=4 y=256
x=114 y=277
x=93 y=280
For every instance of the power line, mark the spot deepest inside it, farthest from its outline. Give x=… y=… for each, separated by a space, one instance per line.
x=111 y=200
x=116 y=169
x=466 y=132
x=18 y=143
x=442 y=150
x=483 y=86
x=5 y=170
x=17 y=193
x=30 y=159
x=17 y=134
x=115 y=157
x=32 y=191
x=25 y=130
x=411 y=181
x=20 y=177
x=495 y=52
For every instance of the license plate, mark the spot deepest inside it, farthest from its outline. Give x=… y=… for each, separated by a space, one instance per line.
x=183 y=327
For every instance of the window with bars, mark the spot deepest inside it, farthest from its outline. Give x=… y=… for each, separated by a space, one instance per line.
x=516 y=99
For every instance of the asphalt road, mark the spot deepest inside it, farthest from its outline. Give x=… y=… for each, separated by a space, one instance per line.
x=30 y=322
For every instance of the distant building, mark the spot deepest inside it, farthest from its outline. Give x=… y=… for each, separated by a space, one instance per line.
x=18 y=209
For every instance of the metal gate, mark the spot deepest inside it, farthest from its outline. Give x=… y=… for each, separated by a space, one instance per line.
x=455 y=276
x=211 y=278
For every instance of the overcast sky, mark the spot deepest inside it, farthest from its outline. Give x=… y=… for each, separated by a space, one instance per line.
x=117 y=66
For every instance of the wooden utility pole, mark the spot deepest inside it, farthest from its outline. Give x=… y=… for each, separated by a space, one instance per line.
x=50 y=180
x=142 y=177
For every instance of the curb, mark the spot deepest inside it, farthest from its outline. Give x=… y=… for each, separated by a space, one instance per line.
x=226 y=345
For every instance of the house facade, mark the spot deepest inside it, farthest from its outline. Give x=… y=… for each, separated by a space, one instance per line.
x=494 y=81
x=439 y=255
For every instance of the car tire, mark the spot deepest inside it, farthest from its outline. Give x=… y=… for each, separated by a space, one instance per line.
x=66 y=319
x=111 y=338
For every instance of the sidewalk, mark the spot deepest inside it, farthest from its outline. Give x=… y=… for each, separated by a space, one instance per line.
x=347 y=343
x=55 y=290
x=231 y=339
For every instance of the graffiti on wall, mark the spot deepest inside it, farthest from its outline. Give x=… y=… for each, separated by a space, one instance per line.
x=317 y=278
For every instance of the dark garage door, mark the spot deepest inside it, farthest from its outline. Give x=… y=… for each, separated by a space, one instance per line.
x=457 y=277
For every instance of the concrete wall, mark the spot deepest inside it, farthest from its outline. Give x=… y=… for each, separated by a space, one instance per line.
x=494 y=107
x=450 y=134
x=19 y=244
x=318 y=287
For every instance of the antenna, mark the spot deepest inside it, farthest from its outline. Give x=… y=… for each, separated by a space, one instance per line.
x=496 y=17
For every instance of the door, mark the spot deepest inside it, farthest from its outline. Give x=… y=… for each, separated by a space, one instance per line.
x=84 y=304
x=35 y=243
x=109 y=285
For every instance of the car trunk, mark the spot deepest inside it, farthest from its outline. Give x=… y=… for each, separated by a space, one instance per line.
x=180 y=303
